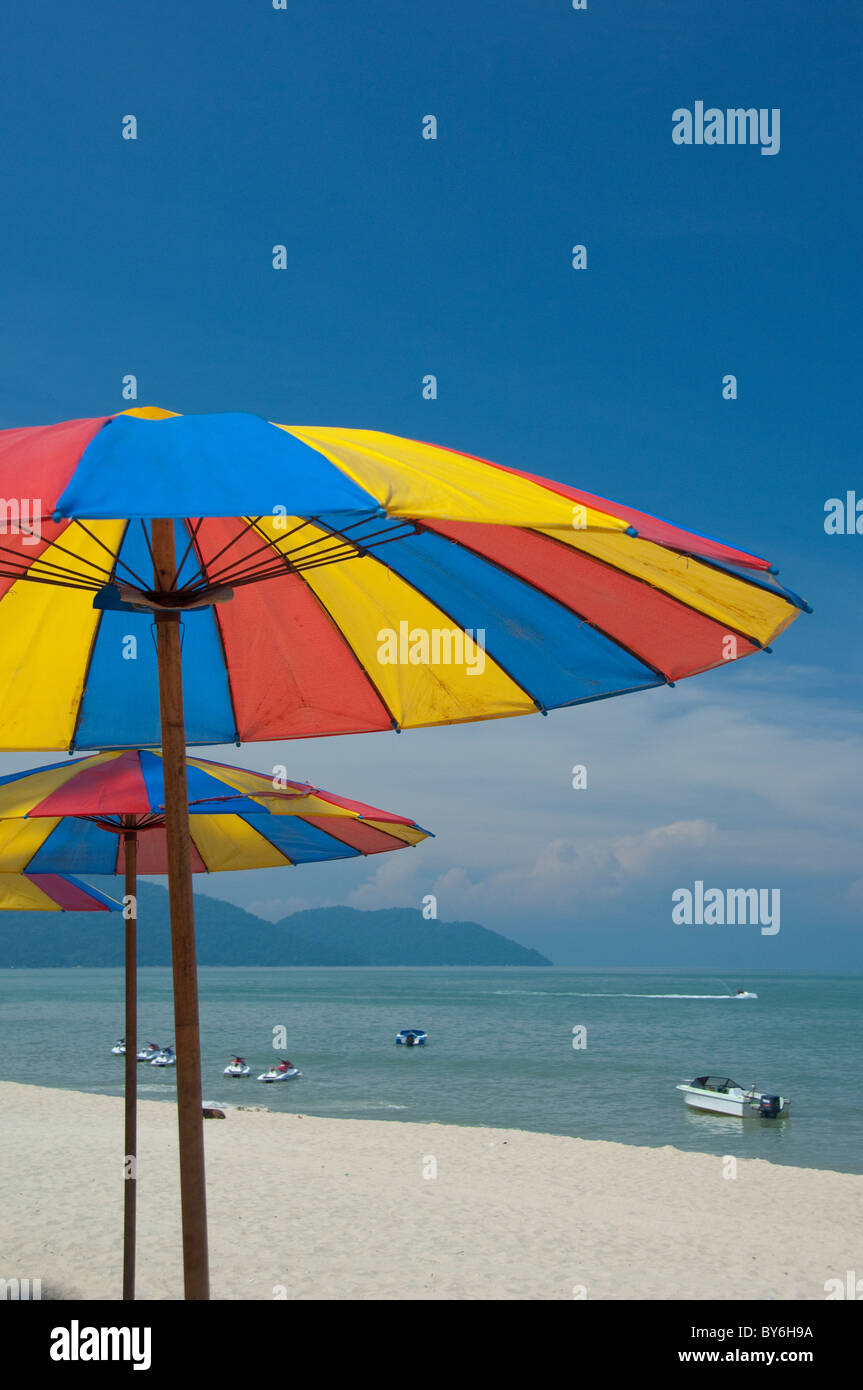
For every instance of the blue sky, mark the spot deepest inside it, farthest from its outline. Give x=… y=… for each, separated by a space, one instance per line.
x=408 y=256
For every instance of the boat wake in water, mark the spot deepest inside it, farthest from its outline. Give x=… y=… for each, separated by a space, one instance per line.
x=584 y=994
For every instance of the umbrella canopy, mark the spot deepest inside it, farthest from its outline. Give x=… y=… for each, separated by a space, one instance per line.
x=389 y=554
x=106 y=813
x=473 y=591
x=35 y=892
x=57 y=818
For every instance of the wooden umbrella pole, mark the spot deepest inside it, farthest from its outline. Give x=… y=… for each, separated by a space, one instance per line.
x=193 y=1197
x=130 y=1190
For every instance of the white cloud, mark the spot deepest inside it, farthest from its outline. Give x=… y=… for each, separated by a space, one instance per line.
x=737 y=779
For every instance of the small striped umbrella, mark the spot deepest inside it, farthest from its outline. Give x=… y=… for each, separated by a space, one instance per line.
x=106 y=814
x=49 y=892
x=329 y=581
x=75 y=815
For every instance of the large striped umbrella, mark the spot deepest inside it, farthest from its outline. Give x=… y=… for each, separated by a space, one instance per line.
x=572 y=597
x=411 y=585
x=105 y=814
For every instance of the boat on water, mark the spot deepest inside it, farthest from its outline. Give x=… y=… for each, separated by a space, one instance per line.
x=745 y=994
x=722 y=1096
x=119 y=1048
x=149 y=1052
x=412 y=1037
x=280 y=1071
x=164 y=1058
x=238 y=1066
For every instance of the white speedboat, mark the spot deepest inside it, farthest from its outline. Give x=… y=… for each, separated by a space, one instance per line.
x=238 y=1066
x=119 y=1048
x=164 y=1058
x=149 y=1052
x=281 y=1071
x=745 y=994
x=722 y=1096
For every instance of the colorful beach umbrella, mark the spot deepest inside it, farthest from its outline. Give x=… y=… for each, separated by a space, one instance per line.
x=51 y=892
x=574 y=598
x=106 y=814
x=77 y=813
x=328 y=581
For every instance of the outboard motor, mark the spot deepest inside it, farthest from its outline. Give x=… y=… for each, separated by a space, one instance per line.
x=410 y=1039
x=769 y=1107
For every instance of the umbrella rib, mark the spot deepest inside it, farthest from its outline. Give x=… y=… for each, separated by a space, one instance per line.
x=50 y=565
x=115 y=557
x=233 y=541
x=361 y=542
x=223 y=575
x=356 y=545
x=358 y=551
x=278 y=571
x=344 y=547
x=272 y=545
x=193 y=531
x=90 y=586
x=113 y=820
x=198 y=581
x=215 y=575
x=331 y=557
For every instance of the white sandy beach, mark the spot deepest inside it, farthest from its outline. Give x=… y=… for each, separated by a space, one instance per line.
x=339 y=1209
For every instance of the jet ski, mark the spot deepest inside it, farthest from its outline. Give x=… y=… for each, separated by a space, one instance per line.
x=119 y=1048
x=281 y=1071
x=237 y=1066
x=745 y=994
x=164 y=1058
x=149 y=1052
x=412 y=1037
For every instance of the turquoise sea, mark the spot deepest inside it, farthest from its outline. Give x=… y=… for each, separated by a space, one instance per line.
x=500 y=1048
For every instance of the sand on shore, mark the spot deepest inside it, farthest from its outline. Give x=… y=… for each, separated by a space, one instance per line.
x=310 y=1208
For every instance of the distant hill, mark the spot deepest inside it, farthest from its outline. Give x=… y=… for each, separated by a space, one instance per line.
x=402 y=936
x=228 y=935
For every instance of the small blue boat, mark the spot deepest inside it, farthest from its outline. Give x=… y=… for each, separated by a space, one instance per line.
x=412 y=1037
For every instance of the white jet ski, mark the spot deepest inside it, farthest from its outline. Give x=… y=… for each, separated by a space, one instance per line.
x=164 y=1058
x=282 y=1071
x=149 y=1052
x=238 y=1066
x=119 y=1048
x=745 y=994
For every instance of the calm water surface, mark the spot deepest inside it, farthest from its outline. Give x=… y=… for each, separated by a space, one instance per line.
x=500 y=1048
